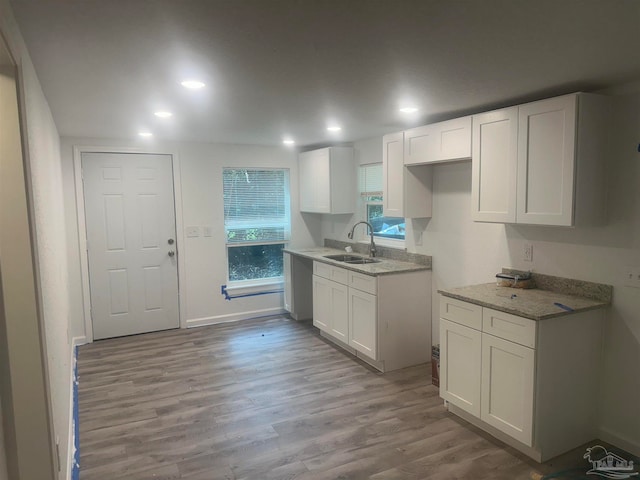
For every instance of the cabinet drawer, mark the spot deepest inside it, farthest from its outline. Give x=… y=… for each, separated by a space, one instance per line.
x=330 y=272
x=509 y=327
x=460 y=312
x=365 y=283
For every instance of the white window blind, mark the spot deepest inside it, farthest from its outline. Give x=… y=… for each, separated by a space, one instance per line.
x=371 y=180
x=256 y=205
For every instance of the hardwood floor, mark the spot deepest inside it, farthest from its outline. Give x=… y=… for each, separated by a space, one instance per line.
x=268 y=399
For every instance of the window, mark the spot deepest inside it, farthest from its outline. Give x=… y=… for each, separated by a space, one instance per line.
x=256 y=222
x=371 y=192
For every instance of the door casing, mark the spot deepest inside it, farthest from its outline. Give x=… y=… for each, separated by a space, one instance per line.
x=78 y=150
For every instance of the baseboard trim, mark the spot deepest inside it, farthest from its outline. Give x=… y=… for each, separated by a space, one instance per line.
x=620 y=441
x=234 y=317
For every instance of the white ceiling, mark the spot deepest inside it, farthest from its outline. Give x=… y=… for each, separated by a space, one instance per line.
x=289 y=67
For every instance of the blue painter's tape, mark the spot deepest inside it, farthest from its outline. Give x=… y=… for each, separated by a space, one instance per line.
x=223 y=291
x=75 y=470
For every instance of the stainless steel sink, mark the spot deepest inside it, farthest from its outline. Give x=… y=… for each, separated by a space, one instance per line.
x=352 y=259
x=344 y=257
x=362 y=260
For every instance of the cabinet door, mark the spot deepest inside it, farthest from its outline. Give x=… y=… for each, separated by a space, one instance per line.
x=331 y=308
x=495 y=151
x=460 y=372
x=452 y=140
x=322 y=306
x=419 y=145
x=507 y=387
x=546 y=160
x=393 y=174
x=305 y=182
x=314 y=180
x=340 y=312
x=363 y=321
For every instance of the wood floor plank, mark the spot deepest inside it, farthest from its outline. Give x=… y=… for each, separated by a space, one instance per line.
x=268 y=399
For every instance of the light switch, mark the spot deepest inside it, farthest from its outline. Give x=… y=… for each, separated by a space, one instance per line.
x=632 y=277
x=207 y=231
x=193 y=232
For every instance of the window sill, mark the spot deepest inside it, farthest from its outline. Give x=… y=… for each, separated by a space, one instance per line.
x=386 y=242
x=243 y=288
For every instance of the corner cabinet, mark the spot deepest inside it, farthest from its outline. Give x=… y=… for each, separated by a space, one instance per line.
x=327 y=180
x=541 y=163
x=407 y=190
x=384 y=320
x=529 y=383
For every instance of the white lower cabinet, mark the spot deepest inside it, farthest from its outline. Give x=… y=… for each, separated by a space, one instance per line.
x=385 y=320
x=529 y=381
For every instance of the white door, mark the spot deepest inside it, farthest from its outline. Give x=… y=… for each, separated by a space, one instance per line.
x=546 y=161
x=419 y=145
x=495 y=150
x=460 y=361
x=322 y=306
x=130 y=221
x=393 y=174
x=363 y=318
x=507 y=387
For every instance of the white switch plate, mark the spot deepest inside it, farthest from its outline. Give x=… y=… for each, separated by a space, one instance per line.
x=632 y=277
x=527 y=252
x=193 y=232
x=207 y=231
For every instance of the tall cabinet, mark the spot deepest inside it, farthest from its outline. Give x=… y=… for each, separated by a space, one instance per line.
x=541 y=163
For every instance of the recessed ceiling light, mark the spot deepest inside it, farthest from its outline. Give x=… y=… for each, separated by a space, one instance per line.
x=409 y=109
x=163 y=114
x=145 y=134
x=288 y=141
x=334 y=128
x=192 y=84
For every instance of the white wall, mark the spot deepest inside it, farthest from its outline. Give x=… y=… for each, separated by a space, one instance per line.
x=44 y=160
x=201 y=259
x=465 y=252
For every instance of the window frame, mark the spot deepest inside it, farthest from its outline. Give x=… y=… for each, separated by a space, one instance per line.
x=257 y=285
x=364 y=200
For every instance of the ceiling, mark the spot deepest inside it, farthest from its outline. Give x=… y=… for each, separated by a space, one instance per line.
x=277 y=68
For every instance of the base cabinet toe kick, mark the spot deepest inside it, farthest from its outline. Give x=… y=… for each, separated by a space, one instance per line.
x=532 y=384
x=384 y=320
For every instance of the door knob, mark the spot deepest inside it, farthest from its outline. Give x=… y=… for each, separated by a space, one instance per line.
x=170 y=241
x=171 y=253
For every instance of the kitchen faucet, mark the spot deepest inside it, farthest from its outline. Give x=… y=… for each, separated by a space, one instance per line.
x=372 y=246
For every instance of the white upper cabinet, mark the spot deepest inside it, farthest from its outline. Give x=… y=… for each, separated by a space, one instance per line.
x=438 y=142
x=407 y=190
x=327 y=180
x=551 y=158
x=495 y=148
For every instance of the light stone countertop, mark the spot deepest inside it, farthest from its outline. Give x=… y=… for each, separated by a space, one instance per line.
x=534 y=303
x=385 y=267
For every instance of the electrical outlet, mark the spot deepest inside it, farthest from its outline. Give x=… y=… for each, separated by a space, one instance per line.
x=632 y=277
x=527 y=252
